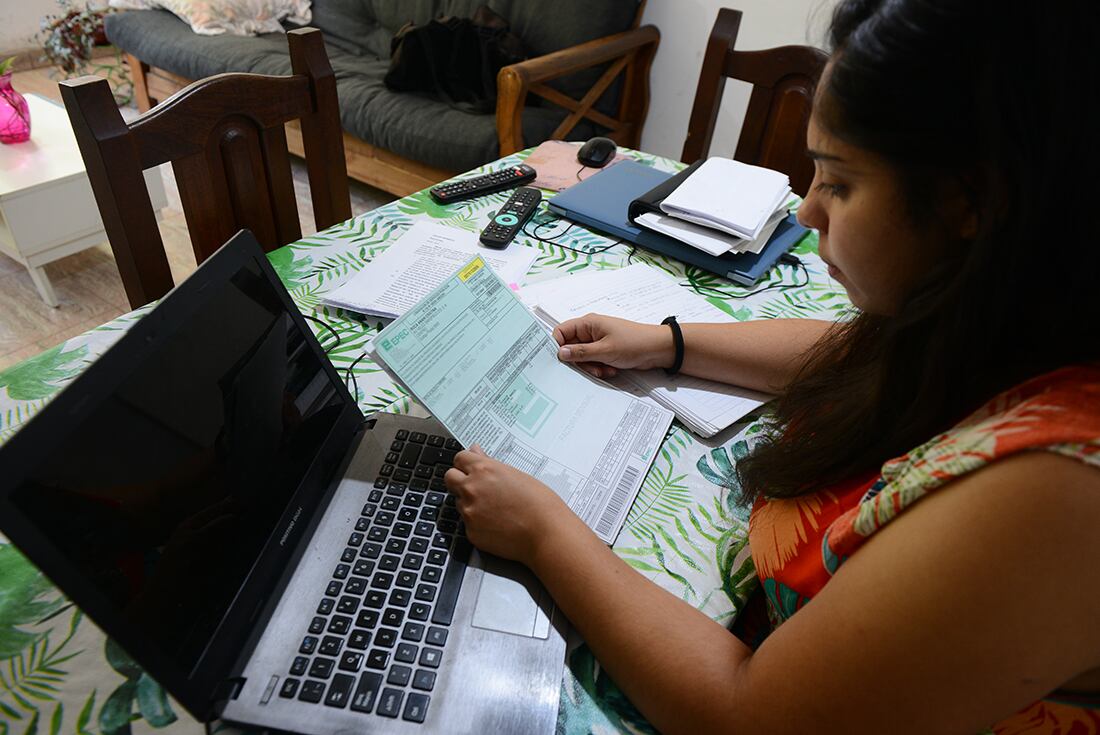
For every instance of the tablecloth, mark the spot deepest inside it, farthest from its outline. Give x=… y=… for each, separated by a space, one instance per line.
x=60 y=673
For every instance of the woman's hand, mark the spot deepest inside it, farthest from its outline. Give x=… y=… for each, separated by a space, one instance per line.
x=601 y=345
x=507 y=512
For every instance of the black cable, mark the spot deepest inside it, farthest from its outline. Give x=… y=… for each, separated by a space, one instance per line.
x=329 y=328
x=582 y=168
x=350 y=375
x=780 y=286
x=553 y=240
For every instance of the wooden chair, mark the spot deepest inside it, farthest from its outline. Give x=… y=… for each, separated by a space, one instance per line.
x=225 y=139
x=774 y=132
x=628 y=54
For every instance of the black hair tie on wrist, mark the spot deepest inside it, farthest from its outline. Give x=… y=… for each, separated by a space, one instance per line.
x=678 y=342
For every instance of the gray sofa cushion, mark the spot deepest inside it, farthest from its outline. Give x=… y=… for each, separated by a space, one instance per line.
x=410 y=125
x=544 y=26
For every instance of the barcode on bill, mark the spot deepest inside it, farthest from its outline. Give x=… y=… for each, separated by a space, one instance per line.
x=618 y=499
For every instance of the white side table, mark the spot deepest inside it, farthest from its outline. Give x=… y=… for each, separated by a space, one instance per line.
x=47 y=210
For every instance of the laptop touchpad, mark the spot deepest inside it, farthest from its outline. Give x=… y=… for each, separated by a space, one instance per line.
x=510 y=599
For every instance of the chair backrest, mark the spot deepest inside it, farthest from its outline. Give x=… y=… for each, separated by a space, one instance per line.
x=774 y=132
x=225 y=139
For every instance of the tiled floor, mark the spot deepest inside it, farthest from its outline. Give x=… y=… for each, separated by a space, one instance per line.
x=87 y=284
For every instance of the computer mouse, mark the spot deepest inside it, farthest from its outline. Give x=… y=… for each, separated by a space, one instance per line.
x=597 y=152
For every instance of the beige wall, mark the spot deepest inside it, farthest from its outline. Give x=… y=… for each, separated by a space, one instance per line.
x=685 y=26
x=19 y=21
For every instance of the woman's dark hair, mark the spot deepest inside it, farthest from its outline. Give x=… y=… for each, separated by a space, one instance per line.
x=992 y=96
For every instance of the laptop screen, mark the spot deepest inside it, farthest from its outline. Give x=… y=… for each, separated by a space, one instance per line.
x=164 y=495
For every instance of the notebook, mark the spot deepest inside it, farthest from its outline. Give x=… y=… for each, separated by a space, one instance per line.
x=603 y=203
x=209 y=493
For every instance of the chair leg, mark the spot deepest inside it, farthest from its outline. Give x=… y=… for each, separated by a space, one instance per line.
x=138 y=70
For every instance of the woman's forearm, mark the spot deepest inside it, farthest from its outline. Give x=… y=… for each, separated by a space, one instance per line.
x=763 y=354
x=673 y=662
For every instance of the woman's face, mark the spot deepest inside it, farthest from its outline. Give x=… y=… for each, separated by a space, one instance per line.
x=867 y=236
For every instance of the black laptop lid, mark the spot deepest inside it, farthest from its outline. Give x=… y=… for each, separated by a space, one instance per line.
x=150 y=488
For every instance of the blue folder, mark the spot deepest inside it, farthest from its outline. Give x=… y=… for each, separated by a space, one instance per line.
x=602 y=202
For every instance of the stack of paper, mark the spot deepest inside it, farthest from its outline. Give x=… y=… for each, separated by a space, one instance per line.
x=644 y=294
x=424 y=257
x=725 y=206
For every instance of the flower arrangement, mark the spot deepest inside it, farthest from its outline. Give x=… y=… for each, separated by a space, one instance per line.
x=68 y=38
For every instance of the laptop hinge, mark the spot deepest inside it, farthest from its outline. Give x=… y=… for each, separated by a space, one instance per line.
x=228 y=690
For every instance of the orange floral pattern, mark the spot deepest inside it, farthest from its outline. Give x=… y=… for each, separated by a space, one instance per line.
x=797 y=544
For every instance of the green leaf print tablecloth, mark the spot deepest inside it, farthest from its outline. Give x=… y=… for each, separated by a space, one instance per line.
x=60 y=674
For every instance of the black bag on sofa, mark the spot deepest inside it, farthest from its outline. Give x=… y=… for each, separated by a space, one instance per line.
x=454 y=59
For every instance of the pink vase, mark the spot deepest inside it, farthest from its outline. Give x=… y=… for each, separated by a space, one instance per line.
x=15 y=116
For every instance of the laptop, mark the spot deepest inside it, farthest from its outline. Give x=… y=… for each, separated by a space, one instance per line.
x=209 y=493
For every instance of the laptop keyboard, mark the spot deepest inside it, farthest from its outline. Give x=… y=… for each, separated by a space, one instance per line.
x=380 y=630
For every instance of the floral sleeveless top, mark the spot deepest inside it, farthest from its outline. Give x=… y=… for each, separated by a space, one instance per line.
x=797 y=544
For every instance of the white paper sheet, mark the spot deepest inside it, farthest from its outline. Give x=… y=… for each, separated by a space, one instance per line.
x=710 y=241
x=424 y=257
x=644 y=294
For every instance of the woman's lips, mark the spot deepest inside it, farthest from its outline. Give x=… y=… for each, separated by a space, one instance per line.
x=833 y=271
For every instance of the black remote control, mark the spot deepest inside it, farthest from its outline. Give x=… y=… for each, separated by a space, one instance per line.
x=511 y=217
x=456 y=191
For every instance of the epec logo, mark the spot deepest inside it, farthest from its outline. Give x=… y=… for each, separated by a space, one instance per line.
x=389 y=344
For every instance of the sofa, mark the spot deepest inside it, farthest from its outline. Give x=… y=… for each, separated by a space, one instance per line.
x=588 y=73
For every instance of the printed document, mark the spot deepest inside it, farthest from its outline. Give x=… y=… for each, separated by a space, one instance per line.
x=485 y=367
x=425 y=256
x=644 y=294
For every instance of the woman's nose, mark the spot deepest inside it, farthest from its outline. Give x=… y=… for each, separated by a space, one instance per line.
x=810 y=213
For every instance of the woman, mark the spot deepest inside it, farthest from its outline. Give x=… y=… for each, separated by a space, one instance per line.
x=937 y=454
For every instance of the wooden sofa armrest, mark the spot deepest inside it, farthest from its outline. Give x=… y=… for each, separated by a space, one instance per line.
x=631 y=52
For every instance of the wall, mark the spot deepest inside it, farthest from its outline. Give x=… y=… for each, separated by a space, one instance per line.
x=685 y=26
x=19 y=21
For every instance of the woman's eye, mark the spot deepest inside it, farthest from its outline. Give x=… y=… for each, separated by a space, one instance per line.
x=833 y=190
